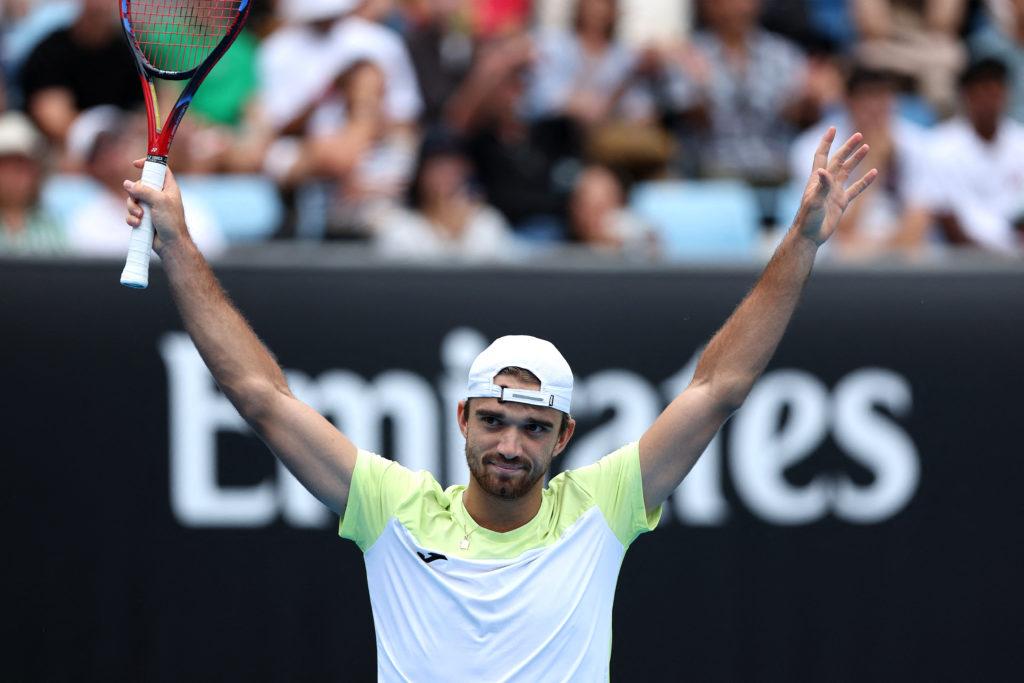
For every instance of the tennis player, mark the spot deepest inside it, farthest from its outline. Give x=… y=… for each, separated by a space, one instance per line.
x=504 y=578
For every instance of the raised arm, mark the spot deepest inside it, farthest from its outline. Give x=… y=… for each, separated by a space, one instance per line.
x=739 y=352
x=319 y=456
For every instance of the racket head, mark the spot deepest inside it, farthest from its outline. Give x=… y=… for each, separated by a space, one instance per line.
x=175 y=39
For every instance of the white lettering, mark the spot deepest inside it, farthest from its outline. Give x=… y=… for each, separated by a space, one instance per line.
x=875 y=442
x=761 y=452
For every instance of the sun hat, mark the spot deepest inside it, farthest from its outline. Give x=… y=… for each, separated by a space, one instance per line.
x=530 y=353
x=303 y=11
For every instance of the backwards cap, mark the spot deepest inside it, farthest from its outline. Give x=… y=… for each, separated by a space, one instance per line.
x=536 y=355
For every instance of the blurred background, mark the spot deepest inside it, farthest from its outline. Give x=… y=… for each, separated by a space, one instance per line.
x=385 y=185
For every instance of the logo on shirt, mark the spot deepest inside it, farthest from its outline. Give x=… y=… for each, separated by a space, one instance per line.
x=428 y=558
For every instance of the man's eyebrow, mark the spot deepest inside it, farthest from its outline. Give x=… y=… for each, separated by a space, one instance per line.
x=484 y=412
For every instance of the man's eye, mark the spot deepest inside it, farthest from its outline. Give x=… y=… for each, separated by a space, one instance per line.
x=489 y=420
x=536 y=428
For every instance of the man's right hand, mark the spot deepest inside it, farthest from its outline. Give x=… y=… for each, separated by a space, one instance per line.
x=165 y=208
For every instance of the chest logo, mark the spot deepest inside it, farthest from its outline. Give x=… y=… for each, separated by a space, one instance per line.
x=428 y=558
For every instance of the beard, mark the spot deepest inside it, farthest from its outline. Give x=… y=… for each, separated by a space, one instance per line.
x=507 y=486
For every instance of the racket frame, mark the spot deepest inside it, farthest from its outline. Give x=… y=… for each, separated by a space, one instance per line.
x=136 y=270
x=159 y=138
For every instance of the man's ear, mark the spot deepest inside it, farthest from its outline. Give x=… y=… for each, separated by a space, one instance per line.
x=462 y=415
x=563 y=438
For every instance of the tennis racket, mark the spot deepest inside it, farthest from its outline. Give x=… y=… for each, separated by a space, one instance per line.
x=174 y=40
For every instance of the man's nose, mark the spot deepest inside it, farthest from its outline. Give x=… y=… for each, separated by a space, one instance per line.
x=510 y=445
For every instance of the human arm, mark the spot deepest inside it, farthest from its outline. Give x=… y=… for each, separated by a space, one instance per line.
x=309 y=446
x=739 y=352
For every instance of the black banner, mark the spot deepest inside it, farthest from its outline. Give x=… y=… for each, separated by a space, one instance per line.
x=859 y=518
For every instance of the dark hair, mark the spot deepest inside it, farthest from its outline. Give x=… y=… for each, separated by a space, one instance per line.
x=862 y=78
x=524 y=375
x=437 y=142
x=983 y=70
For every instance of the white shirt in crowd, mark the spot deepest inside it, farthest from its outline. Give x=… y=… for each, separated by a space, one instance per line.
x=981 y=183
x=297 y=66
x=98 y=228
x=406 y=234
x=882 y=209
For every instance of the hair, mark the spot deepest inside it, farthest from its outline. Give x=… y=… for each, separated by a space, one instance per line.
x=524 y=375
x=862 y=78
x=984 y=70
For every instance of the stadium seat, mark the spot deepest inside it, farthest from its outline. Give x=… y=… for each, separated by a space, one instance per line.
x=64 y=194
x=701 y=220
x=247 y=208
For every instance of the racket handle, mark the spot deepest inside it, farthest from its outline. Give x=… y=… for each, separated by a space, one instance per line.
x=136 y=269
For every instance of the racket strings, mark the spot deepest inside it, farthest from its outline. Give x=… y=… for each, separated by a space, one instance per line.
x=178 y=35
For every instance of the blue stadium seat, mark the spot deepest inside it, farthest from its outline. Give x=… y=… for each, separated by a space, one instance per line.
x=64 y=194
x=701 y=220
x=246 y=207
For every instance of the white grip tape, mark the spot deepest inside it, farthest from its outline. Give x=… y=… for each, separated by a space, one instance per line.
x=136 y=269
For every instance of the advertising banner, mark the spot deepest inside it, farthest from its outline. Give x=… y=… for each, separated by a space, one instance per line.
x=858 y=519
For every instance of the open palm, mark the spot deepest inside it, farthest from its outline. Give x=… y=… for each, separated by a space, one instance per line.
x=826 y=197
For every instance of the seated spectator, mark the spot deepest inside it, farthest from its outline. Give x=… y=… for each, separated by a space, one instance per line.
x=585 y=74
x=80 y=67
x=25 y=228
x=444 y=216
x=1002 y=37
x=890 y=215
x=527 y=170
x=743 y=90
x=602 y=87
x=368 y=158
x=441 y=49
x=300 y=62
x=643 y=24
x=976 y=170
x=598 y=217
x=917 y=39
x=104 y=141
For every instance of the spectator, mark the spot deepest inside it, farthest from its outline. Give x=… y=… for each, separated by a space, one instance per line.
x=104 y=141
x=527 y=170
x=976 y=173
x=442 y=52
x=300 y=62
x=79 y=67
x=598 y=217
x=743 y=89
x=368 y=157
x=25 y=228
x=585 y=74
x=914 y=38
x=643 y=24
x=1002 y=38
x=445 y=217
x=890 y=215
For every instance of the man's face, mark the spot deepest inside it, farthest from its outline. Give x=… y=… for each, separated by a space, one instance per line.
x=510 y=446
x=985 y=102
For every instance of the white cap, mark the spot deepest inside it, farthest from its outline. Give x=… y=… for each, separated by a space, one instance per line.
x=302 y=11
x=87 y=127
x=18 y=137
x=536 y=355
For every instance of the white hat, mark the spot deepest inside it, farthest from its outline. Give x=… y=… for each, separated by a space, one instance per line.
x=302 y=11
x=536 y=355
x=18 y=137
x=85 y=130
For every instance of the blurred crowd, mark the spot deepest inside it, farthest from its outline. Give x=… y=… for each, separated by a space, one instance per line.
x=482 y=128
